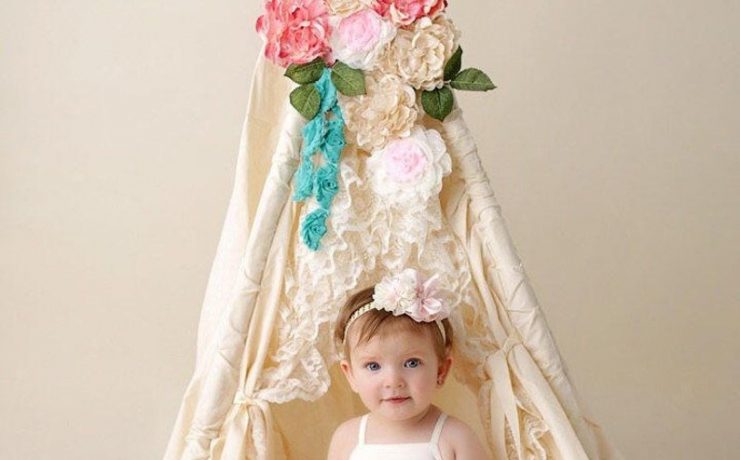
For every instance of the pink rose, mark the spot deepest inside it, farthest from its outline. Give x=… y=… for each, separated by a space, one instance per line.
x=360 y=31
x=404 y=159
x=404 y=12
x=296 y=31
x=358 y=38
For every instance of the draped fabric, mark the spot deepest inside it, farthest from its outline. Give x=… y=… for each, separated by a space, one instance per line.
x=266 y=383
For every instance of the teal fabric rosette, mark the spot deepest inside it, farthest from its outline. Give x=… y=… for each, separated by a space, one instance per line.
x=317 y=174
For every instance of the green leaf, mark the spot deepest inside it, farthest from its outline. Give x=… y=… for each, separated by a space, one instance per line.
x=349 y=81
x=472 y=80
x=454 y=64
x=306 y=100
x=306 y=73
x=438 y=103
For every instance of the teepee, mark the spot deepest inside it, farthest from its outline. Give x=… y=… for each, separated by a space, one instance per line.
x=266 y=383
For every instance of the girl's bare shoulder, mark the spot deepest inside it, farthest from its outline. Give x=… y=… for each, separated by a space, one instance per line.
x=459 y=441
x=344 y=439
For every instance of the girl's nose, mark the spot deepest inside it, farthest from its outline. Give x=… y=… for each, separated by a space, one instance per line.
x=394 y=380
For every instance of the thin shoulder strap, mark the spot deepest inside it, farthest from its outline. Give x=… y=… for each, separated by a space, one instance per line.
x=438 y=428
x=363 y=427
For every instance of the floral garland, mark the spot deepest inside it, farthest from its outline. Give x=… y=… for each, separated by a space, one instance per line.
x=377 y=54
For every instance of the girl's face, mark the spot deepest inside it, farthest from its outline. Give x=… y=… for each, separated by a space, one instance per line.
x=396 y=375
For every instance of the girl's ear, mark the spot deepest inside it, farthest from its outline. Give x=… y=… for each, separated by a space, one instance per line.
x=444 y=370
x=347 y=370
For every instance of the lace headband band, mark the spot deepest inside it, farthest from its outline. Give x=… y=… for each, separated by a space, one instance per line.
x=371 y=306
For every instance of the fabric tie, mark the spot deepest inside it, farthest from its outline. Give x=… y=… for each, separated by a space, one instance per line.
x=497 y=368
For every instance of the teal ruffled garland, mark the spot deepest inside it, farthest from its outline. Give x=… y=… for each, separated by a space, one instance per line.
x=323 y=134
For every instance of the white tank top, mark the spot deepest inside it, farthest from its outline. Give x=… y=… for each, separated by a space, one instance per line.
x=407 y=451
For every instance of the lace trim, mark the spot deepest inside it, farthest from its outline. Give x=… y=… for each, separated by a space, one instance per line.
x=364 y=233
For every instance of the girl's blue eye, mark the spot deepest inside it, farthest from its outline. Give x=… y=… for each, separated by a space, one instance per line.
x=413 y=362
x=372 y=366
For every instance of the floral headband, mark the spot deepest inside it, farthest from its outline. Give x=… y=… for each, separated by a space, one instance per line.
x=407 y=294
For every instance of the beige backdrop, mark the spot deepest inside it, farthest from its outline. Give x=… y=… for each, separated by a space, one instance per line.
x=612 y=142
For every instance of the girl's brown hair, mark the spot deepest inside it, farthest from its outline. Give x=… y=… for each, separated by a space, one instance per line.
x=377 y=322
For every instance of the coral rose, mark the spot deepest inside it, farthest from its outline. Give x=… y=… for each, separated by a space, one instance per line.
x=296 y=31
x=405 y=12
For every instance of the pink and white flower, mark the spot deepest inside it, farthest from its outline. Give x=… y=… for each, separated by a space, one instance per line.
x=359 y=38
x=408 y=293
x=405 y=12
x=410 y=168
x=295 y=31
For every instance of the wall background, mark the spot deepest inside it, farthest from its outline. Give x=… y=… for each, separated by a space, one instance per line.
x=612 y=142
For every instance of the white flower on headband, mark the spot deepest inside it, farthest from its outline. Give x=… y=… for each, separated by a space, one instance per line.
x=409 y=294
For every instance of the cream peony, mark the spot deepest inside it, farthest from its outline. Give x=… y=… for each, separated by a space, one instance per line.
x=418 y=55
x=359 y=38
x=346 y=7
x=411 y=168
x=388 y=111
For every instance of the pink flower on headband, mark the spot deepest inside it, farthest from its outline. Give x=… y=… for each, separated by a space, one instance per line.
x=409 y=294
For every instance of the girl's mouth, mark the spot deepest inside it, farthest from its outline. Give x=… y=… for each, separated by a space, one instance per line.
x=396 y=400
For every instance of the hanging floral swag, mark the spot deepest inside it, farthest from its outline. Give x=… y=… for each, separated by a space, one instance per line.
x=328 y=45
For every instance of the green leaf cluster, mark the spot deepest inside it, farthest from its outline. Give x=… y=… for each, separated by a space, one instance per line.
x=306 y=98
x=438 y=103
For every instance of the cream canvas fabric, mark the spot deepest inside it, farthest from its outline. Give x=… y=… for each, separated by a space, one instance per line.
x=246 y=398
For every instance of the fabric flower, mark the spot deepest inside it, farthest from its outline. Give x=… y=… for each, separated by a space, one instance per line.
x=296 y=31
x=326 y=184
x=411 y=168
x=408 y=293
x=358 y=39
x=387 y=111
x=303 y=181
x=314 y=228
x=404 y=12
x=397 y=293
x=346 y=7
x=418 y=55
x=327 y=91
x=334 y=140
x=429 y=306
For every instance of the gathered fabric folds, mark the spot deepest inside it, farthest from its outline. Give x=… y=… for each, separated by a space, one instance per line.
x=266 y=383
